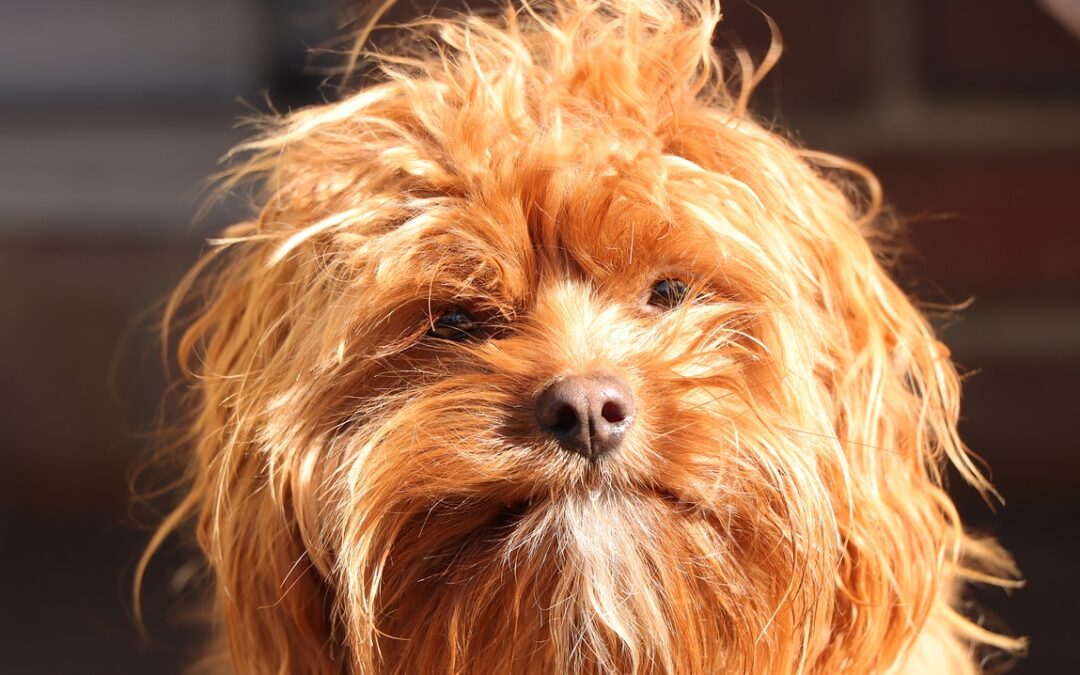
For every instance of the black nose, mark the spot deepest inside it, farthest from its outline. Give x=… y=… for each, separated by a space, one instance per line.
x=587 y=415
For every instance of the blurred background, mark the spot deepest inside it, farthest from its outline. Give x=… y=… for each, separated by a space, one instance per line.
x=113 y=112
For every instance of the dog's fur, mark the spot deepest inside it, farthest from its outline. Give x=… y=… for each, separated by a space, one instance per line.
x=372 y=499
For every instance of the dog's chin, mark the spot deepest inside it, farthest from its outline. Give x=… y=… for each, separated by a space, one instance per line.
x=633 y=565
x=551 y=534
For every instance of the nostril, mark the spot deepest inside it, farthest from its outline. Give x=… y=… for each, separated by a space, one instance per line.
x=613 y=412
x=566 y=420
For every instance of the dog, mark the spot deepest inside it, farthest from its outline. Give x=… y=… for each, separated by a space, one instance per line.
x=541 y=355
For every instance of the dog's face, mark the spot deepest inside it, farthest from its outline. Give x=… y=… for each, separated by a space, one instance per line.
x=563 y=364
x=594 y=408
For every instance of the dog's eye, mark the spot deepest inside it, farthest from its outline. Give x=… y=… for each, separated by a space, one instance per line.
x=667 y=293
x=454 y=325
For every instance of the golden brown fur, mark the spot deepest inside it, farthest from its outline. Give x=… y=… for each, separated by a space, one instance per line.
x=372 y=500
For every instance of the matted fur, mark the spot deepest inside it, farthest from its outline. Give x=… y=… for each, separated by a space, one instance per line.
x=372 y=500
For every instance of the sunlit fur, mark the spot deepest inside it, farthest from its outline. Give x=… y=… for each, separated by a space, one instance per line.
x=373 y=500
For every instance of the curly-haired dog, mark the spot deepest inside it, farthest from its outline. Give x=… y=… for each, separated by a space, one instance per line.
x=542 y=356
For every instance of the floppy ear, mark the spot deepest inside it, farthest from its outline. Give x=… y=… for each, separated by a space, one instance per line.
x=895 y=396
x=250 y=480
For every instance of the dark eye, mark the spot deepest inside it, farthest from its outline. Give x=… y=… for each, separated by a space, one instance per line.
x=454 y=325
x=668 y=293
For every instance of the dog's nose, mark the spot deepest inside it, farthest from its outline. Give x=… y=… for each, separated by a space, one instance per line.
x=587 y=415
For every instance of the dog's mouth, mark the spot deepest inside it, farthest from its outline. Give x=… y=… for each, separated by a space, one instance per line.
x=513 y=513
x=509 y=516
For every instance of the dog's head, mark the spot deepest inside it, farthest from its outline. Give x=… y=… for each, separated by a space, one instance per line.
x=544 y=356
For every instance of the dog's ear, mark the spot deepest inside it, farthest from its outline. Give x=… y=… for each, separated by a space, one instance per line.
x=895 y=397
x=250 y=492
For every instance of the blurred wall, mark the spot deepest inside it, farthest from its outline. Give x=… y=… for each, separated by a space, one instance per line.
x=112 y=113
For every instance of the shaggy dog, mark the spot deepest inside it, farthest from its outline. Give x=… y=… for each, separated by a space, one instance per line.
x=542 y=355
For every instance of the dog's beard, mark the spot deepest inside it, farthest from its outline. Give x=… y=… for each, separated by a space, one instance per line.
x=704 y=550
